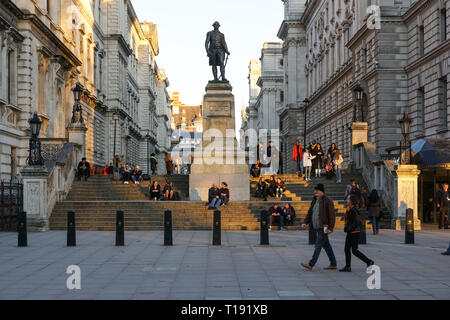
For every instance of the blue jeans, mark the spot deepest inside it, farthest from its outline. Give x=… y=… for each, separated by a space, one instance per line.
x=448 y=250
x=375 y=224
x=215 y=203
x=322 y=241
x=338 y=174
x=274 y=218
x=299 y=166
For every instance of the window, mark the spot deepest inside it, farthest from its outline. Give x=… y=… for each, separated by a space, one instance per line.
x=421 y=110
x=421 y=40
x=10 y=76
x=443 y=102
x=364 y=58
x=281 y=96
x=443 y=24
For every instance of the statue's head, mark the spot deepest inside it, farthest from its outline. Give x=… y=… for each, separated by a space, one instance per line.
x=216 y=25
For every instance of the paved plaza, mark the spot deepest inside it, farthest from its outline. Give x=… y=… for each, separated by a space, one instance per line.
x=239 y=269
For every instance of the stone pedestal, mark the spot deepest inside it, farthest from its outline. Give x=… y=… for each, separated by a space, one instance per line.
x=407 y=196
x=359 y=135
x=35 y=194
x=359 y=132
x=77 y=135
x=219 y=159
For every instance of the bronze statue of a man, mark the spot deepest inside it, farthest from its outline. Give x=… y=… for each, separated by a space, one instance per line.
x=216 y=47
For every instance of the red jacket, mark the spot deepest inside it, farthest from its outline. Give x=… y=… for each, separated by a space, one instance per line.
x=295 y=153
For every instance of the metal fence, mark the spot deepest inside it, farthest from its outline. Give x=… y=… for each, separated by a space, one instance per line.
x=11 y=203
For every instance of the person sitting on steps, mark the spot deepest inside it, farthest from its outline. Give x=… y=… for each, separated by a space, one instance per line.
x=224 y=194
x=126 y=174
x=279 y=188
x=289 y=213
x=136 y=175
x=276 y=214
x=83 y=169
x=214 y=197
x=255 y=170
x=272 y=186
x=155 y=190
x=262 y=189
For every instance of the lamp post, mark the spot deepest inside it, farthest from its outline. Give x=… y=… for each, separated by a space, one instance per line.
x=306 y=102
x=115 y=118
x=77 y=109
x=357 y=114
x=147 y=137
x=405 y=144
x=35 y=155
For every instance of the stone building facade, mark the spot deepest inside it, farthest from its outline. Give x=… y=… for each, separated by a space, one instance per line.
x=254 y=72
x=271 y=95
x=395 y=50
x=46 y=47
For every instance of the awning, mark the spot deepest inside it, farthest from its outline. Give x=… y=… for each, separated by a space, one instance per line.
x=431 y=154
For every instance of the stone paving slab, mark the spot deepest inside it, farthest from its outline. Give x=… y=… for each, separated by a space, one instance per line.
x=240 y=269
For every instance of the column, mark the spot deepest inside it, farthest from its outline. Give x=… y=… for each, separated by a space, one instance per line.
x=35 y=202
x=407 y=196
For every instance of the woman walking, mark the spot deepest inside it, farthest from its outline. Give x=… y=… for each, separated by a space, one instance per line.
x=374 y=207
x=353 y=229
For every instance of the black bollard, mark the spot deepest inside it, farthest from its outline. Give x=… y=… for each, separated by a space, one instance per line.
x=71 y=231
x=264 y=228
x=120 y=229
x=409 y=227
x=311 y=235
x=168 y=240
x=217 y=241
x=22 y=229
x=363 y=234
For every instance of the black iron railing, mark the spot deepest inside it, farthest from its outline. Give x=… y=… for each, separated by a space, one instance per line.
x=11 y=203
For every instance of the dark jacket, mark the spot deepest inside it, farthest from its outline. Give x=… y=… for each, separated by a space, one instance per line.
x=153 y=163
x=327 y=216
x=374 y=208
x=225 y=191
x=157 y=190
x=276 y=211
x=353 y=223
x=87 y=167
x=290 y=211
x=262 y=186
x=212 y=193
x=443 y=201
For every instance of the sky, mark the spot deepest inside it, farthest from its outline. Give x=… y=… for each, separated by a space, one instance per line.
x=182 y=27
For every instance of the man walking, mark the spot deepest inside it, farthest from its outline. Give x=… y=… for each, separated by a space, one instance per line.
x=443 y=199
x=322 y=217
x=297 y=154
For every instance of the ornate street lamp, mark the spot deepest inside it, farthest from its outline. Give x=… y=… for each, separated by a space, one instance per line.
x=357 y=114
x=35 y=155
x=405 y=144
x=77 y=109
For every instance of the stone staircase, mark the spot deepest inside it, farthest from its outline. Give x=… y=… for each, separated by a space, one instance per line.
x=298 y=189
x=97 y=201
x=104 y=188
